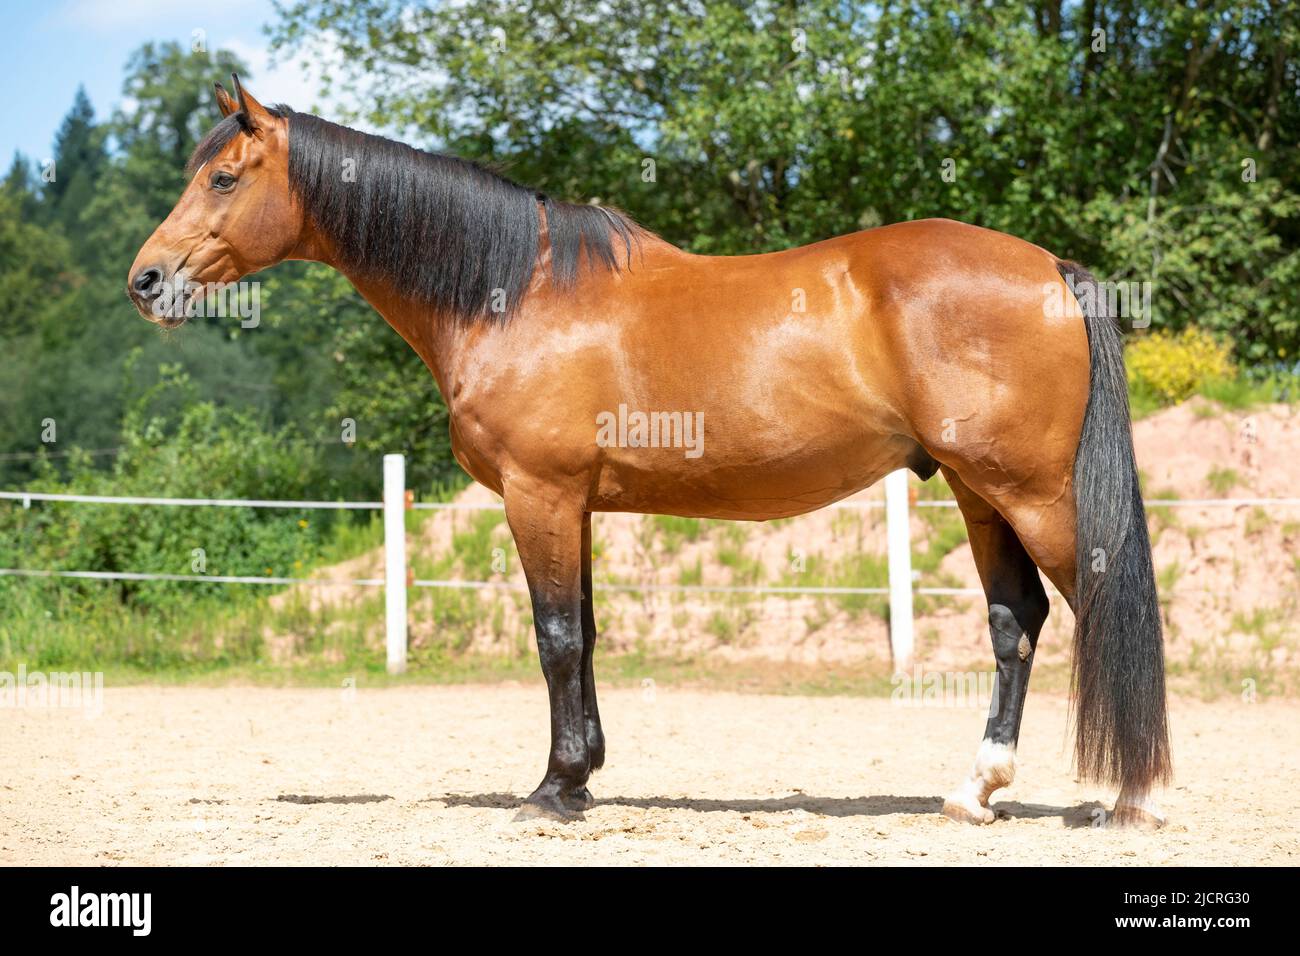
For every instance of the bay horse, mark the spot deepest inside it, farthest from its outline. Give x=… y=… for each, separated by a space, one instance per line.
x=929 y=345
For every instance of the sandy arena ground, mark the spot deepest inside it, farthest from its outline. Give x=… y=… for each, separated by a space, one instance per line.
x=431 y=775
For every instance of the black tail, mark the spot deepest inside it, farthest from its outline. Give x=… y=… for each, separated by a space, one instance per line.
x=1119 y=664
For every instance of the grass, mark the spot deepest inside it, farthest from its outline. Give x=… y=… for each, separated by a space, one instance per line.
x=1208 y=677
x=207 y=644
x=1240 y=393
x=1265 y=625
x=691 y=575
x=631 y=669
x=350 y=538
x=672 y=531
x=1163 y=517
x=722 y=626
x=856 y=570
x=745 y=571
x=1166 y=590
x=945 y=532
x=1222 y=480
x=1258 y=522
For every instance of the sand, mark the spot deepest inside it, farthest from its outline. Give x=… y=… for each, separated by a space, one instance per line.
x=416 y=775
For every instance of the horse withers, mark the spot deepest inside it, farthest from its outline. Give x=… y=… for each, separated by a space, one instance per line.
x=809 y=375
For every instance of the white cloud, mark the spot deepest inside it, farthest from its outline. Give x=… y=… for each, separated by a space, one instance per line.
x=295 y=80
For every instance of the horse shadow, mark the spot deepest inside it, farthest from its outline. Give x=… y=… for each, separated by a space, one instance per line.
x=1074 y=817
x=308 y=798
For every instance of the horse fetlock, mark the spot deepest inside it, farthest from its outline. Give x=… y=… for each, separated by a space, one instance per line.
x=569 y=769
x=995 y=768
x=578 y=800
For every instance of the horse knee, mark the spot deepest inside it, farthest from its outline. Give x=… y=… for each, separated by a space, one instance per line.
x=559 y=643
x=1010 y=642
x=1015 y=633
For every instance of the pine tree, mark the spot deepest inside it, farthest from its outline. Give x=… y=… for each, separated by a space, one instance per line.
x=79 y=156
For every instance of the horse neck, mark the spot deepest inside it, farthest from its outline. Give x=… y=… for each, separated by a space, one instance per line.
x=436 y=338
x=445 y=342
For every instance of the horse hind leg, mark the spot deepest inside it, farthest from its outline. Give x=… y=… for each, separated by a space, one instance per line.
x=1017 y=609
x=1015 y=526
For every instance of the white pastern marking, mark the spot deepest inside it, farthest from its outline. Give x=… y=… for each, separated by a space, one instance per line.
x=995 y=768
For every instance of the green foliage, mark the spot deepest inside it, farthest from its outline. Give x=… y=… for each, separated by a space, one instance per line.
x=173 y=446
x=32 y=256
x=691 y=575
x=197 y=451
x=77 y=353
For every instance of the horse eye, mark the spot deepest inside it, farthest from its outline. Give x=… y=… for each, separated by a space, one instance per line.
x=222 y=182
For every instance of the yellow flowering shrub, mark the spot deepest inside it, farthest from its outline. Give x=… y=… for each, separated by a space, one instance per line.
x=1173 y=367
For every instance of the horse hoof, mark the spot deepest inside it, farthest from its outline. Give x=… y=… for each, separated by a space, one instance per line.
x=964 y=811
x=1136 y=818
x=532 y=811
x=580 y=801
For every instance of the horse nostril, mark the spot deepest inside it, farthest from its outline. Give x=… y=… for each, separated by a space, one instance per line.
x=146 y=282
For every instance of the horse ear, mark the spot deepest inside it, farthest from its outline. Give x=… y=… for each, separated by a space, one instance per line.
x=224 y=102
x=252 y=113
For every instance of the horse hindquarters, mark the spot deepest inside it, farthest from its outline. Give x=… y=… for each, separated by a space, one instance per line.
x=1081 y=522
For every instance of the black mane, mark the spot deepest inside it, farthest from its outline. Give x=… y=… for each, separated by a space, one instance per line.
x=455 y=235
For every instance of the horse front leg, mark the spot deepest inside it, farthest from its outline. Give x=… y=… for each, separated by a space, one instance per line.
x=547 y=524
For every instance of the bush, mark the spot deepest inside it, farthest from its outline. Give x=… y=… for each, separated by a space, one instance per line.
x=198 y=451
x=1172 y=368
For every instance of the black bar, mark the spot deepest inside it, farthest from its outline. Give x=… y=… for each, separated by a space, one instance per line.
x=332 y=905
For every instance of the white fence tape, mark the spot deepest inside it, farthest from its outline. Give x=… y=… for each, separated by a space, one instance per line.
x=197 y=578
x=900 y=591
x=29 y=496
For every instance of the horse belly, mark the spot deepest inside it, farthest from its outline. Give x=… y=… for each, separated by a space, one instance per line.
x=763 y=478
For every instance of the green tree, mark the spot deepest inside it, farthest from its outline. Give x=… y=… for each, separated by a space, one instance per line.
x=79 y=159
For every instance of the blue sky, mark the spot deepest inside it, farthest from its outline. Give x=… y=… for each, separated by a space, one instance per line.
x=49 y=48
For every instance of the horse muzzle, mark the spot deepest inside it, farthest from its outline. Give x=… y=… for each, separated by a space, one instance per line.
x=160 y=299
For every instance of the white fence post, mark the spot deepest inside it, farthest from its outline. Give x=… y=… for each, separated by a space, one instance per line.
x=900 y=569
x=395 y=561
